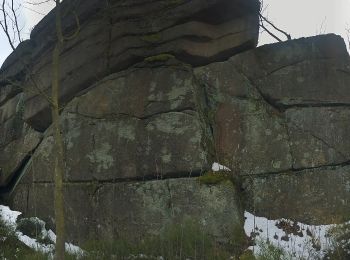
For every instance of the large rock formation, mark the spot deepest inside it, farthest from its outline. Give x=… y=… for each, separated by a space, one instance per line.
x=281 y=119
x=114 y=35
x=154 y=93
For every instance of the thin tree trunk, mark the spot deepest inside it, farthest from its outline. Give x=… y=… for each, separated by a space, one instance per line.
x=58 y=139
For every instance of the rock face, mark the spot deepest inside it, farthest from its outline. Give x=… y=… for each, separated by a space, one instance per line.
x=281 y=120
x=137 y=124
x=136 y=210
x=154 y=93
x=115 y=35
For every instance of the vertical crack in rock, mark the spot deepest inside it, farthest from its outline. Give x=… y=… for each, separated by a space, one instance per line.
x=202 y=100
x=297 y=170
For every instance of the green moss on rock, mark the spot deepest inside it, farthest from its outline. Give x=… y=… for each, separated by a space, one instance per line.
x=154 y=37
x=212 y=178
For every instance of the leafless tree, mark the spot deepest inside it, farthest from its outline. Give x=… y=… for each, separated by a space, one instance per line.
x=10 y=26
x=265 y=23
x=9 y=22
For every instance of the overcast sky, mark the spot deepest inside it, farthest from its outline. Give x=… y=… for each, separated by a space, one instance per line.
x=300 y=18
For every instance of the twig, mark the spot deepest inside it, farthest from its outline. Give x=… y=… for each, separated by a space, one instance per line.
x=4 y=25
x=264 y=19
x=269 y=32
x=16 y=21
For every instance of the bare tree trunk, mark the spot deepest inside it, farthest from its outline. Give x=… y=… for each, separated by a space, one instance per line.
x=58 y=139
x=6 y=24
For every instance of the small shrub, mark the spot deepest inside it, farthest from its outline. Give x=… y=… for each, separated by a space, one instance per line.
x=12 y=248
x=268 y=251
x=247 y=255
x=339 y=242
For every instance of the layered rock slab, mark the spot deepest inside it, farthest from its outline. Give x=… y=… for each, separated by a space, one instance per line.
x=137 y=124
x=318 y=135
x=311 y=71
x=284 y=109
x=278 y=117
x=315 y=196
x=133 y=211
x=114 y=36
x=250 y=136
x=17 y=141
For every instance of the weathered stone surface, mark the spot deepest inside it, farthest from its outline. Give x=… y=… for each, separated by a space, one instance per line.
x=307 y=71
x=140 y=123
x=16 y=65
x=267 y=59
x=315 y=196
x=248 y=96
x=15 y=155
x=319 y=135
x=17 y=141
x=11 y=107
x=112 y=41
x=168 y=144
x=309 y=82
x=139 y=92
x=249 y=135
x=8 y=91
x=135 y=210
x=277 y=112
x=250 y=138
x=137 y=120
x=11 y=121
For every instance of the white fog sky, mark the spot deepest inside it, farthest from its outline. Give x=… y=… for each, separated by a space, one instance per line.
x=300 y=18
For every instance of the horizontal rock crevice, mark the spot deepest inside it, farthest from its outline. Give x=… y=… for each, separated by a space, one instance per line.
x=296 y=171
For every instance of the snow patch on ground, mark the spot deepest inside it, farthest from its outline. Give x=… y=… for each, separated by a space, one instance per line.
x=218 y=167
x=9 y=218
x=298 y=240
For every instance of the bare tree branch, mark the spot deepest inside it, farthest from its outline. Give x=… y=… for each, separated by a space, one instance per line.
x=4 y=25
x=264 y=19
x=269 y=32
x=14 y=13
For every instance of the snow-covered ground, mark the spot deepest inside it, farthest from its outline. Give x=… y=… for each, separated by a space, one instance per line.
x=9 y=218
x=298 y=240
